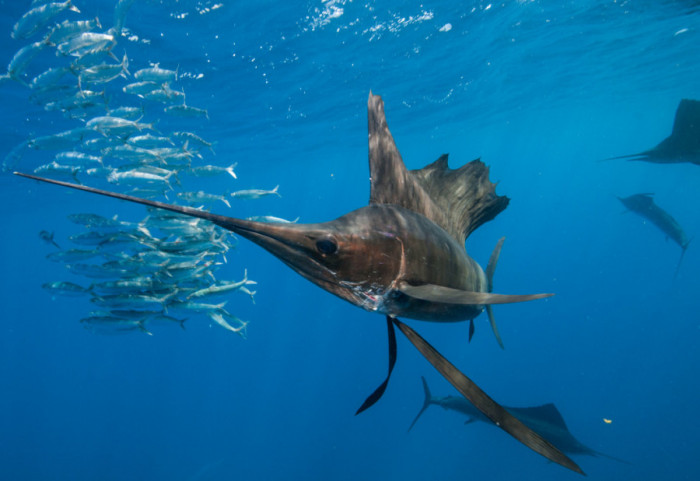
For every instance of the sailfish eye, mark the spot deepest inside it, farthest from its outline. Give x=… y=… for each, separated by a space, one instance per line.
x=326 y=246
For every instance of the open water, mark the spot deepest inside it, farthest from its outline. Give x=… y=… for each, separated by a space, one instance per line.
x=542 y=91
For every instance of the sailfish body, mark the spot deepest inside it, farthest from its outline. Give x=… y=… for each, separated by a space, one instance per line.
x=401 y=255
x=368 y=255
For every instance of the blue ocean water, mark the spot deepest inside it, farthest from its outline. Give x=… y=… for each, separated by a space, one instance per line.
x=540 y=90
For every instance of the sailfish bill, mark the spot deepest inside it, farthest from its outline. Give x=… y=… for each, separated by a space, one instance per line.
x=403 y=255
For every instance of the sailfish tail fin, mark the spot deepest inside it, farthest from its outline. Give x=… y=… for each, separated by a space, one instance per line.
x=490 y=269
x=680 y=261
x=426 y=402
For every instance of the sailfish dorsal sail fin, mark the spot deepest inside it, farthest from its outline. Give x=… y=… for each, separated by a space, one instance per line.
x=458 y=200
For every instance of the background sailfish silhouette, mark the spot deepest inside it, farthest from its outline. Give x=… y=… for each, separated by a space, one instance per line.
x=644 y=206
x=683 y=145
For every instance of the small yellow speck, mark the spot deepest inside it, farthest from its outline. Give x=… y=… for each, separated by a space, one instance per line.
x=607 y=421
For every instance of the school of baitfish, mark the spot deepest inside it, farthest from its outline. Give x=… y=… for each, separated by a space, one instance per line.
x=161 y=270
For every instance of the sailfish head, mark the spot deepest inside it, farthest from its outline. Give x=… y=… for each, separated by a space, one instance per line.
x=341 y=256
x=349 y=257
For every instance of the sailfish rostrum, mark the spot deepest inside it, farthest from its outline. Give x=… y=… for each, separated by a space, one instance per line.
x=402 y=255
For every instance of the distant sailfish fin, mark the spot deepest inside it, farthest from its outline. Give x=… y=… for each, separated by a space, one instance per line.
x=447 y=295
x=426 y=402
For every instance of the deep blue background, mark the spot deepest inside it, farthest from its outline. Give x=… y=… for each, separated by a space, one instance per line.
x=541 y=91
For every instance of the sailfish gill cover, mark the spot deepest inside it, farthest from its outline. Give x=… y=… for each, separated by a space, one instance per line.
x=137 y=344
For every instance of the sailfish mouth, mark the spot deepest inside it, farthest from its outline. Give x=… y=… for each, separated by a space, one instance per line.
x=292 y=244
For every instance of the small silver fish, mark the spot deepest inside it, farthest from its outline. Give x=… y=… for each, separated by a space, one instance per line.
x=223 y=318
x=94 y=271
x=200 y=307
x=143 y=301
x=124 y=285
x=193 y=139
x=156 y=74
x=38 y=17
x=54 y=168
x=108 y=125
x=164 y=96
x=49 y=78
x=60 y=141
x=80 y=159
x=125 y=112
x=140 y=88
x=68 y=29
x=65 y=289
x=201 y=197
x=212 y=170
x=186 y=111
x=148 y=141
x=138 y=177
x=222 y=287
x=18 y=64
x=73 y=255
x=255 y=193
x=104 y=72
x=86 y=43
x=111 y=325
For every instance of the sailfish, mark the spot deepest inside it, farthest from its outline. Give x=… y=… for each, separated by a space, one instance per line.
x=545 y=419
x=683 y=145
x=403 y=255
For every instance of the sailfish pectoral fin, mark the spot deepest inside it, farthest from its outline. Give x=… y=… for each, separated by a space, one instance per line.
x=491 y=409
x=448 y=295
x=377 y=394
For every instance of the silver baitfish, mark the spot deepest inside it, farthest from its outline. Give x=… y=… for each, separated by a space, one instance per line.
x=270 y=218
x=38 y=17
x=222 y=287
x=66 y=289
x=255 y=193
x=68 y=29
x=156 y=74
x=73 y=255
x=201 y=197
x=184 y=110
x=212 y=170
